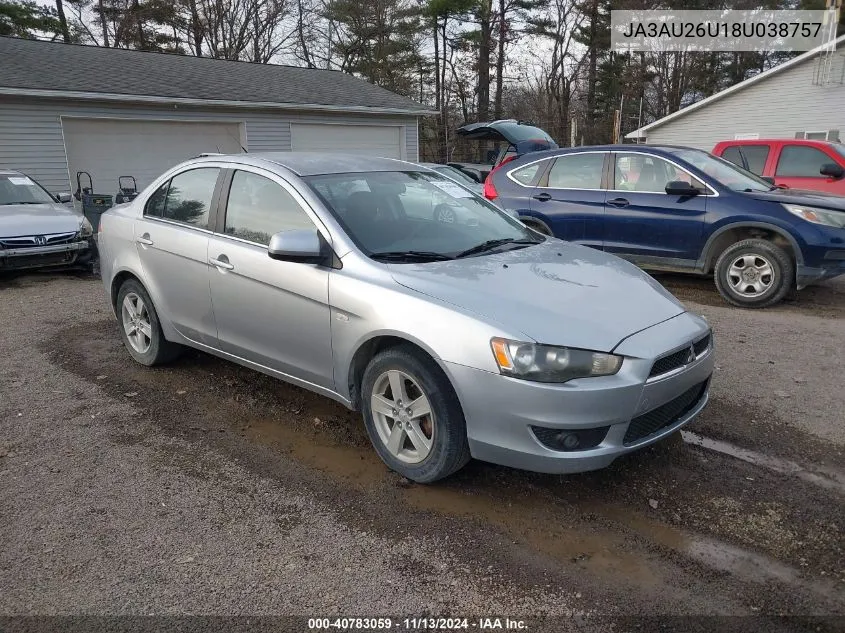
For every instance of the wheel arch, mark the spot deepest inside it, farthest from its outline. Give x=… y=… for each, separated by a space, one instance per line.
x=734 y=232
x=368 y=348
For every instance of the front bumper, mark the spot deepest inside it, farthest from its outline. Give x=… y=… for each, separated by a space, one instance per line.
x=68 y=254
x=500 y=411
x=828 y=270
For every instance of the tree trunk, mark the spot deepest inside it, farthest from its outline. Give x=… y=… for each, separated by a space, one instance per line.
x=484 y=11
x=592 y=72
x=196 y=28
x=437 y=87
x=60 y=10
x=103 y=24
x=500 y=61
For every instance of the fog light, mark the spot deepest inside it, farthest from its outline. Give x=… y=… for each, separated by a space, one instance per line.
x=570 y=439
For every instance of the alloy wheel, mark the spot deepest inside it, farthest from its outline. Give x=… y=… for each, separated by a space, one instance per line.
x=750 y=275
x=136 y=322
x=403 y=417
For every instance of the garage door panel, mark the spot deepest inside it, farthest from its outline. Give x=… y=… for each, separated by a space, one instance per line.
x=110 y=148
x=371 y=140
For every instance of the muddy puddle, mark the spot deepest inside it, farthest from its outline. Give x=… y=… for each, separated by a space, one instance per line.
x=599 y=523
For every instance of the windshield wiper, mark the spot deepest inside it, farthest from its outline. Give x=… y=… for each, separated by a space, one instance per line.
x=22 y=202
x=404 y=256
x=491 y=244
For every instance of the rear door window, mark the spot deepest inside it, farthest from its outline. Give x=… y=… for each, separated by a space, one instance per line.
x=755 y=156
x=186 y=198
x=799 y=161
x=577 y=171
x=732 y=154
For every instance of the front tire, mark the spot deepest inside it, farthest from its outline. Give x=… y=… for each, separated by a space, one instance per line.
x=754 y=273
x=412 y=415
x=140 y=328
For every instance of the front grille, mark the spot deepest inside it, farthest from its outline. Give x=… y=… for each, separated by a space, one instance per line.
x=702 y=345
x=665 y=415
x=678 y=359
x=35 y=261
x=31 y=241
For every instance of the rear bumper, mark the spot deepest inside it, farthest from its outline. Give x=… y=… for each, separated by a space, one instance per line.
x=69 y=254
x=500 y=411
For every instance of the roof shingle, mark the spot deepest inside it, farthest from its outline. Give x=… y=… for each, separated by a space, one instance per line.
x=47 y=66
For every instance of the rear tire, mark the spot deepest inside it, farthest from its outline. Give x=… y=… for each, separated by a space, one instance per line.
x=754 y=273
x=412 y=415
x=140 y=328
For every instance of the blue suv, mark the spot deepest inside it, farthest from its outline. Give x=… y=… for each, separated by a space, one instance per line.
x=679 y=209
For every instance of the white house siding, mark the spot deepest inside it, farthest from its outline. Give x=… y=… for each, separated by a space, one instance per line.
x=776 y=107
x=31 y=130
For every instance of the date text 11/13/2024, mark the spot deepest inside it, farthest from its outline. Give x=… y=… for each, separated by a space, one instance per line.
x=416 y=624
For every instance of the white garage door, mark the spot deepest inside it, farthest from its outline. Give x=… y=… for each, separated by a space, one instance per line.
x=109 y=148
x=373 y=140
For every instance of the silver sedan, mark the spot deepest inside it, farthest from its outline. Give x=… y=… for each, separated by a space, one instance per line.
x=454 y=340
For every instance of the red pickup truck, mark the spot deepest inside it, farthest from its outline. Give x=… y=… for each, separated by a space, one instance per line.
x=793 y=163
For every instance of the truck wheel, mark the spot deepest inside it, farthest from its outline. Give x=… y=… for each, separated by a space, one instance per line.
x=754 y=273
x=413 y=416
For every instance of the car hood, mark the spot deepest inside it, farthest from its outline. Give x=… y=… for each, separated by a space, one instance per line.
x=802 y=196
x=555 y=293
x=37 y=219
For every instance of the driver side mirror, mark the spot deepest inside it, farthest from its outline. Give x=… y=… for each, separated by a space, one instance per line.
x=63 y=197
x=681 y=188
x=300 y=245
x=832 y=170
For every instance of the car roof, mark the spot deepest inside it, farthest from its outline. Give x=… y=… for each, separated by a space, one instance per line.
x=792 y=141
x=10 y=172
x=316 y=163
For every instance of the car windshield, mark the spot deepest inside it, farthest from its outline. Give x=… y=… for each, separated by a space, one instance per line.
x=416 y=216
x=455 y=174
x=20 y=189
x=722 y=171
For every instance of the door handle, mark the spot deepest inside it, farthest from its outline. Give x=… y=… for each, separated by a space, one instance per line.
x=542 y=197
x=221 y=262
x=619 y=203
x=144 y=240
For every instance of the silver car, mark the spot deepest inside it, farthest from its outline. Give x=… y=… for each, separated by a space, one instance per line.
x=38 y=230
x=488 y=341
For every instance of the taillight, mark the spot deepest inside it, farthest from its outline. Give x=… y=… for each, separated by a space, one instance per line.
x=489 y=190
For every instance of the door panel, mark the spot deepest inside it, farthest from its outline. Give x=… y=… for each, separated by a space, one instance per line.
x=270 y=312
x=172 y=243
x=642 y=221
x=571 y=196
x=798 y=168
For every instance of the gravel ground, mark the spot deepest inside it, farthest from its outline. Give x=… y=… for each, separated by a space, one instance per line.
x=204 y=488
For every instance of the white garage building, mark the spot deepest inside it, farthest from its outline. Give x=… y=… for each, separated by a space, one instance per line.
x=113 y=112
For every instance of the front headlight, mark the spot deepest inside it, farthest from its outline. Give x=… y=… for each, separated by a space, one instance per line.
x=85 y=229
x=818 y=216
x=545 y=363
